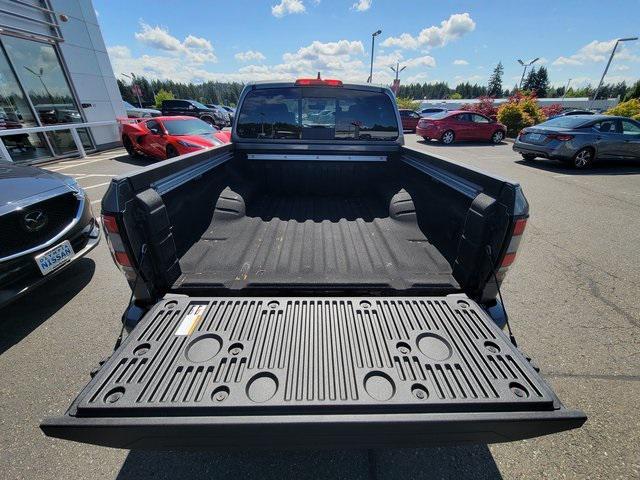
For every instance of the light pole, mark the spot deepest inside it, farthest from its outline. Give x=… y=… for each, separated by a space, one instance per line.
x=373 y=44
x=526 y=65
x=606 y=69
x=40 y=75
x=397 y=69
x=566 y=89
x=135 y=88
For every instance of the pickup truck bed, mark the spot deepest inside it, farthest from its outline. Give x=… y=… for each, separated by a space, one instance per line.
x=366 y=371
x=314 y=241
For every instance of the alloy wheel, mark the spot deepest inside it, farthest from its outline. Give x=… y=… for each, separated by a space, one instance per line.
x=447 y=137
x=497 y=137
x=583 y=159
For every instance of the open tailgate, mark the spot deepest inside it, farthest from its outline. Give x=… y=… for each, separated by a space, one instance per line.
x=293 y=372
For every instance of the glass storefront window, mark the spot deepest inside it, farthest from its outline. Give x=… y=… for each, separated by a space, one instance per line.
x=16 y=113
x=38 y=68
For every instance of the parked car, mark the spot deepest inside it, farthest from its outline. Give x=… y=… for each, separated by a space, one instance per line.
x=313 y=284
x=429 y=111
x=46 y=224
x=225 y=117
x=135 y=112
x=196 y=109
x=581 y=140
x=409 y=119
x=230 y=110
x=575 y=112
x=459 y=125
x=167 y=137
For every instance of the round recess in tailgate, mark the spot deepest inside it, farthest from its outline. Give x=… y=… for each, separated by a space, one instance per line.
x=434 y=346
x=203 y=348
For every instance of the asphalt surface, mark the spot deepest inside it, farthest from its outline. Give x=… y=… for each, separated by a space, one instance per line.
x=573 y=299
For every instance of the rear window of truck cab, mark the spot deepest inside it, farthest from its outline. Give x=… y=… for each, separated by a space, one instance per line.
x=317 y=113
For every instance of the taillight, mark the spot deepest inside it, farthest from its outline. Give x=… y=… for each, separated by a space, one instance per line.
x=306 y=82
x=563 y=137
x=116 y=245
x=516 y=236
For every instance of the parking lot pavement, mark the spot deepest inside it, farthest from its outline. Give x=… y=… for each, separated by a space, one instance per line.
x=572 y=298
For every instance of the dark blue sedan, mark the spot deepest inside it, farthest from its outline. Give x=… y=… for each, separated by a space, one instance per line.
x=581 y=140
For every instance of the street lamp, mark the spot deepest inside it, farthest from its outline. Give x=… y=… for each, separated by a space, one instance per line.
x=135 y=88
x=397 y=69
x=40 y=75
x=373 y=43
x=526 y=65
x=606 y=69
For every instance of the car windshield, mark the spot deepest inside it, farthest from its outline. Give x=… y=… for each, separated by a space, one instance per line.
x=317 y=113
x=571 y=121
x=192 y=126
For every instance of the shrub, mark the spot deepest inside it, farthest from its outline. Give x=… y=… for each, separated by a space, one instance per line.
x=404 y=102
x=163 y=95
x=552 y=110
x=514 y=118
x=630 y=108
x=520 y=111
x=485 y=106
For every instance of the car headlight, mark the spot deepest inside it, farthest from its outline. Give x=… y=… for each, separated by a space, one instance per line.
x=184 y=143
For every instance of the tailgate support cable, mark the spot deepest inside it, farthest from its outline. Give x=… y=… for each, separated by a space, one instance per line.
x=143 y=251
x=504 y=309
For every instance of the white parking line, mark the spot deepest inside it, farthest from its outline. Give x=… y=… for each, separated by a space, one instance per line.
x=78 y=164
x=96 y=186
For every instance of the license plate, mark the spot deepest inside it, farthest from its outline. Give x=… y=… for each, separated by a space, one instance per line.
x=54 y=258
x=535 y=137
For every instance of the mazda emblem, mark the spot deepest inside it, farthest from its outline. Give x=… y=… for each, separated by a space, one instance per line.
x=35 y=220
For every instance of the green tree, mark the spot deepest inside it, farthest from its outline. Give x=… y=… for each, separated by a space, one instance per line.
x=630 y=108
x=404 y=102
x=455 y=96
x=495 y=81
x=634 y=91
x=163 y=95
x=542 y=82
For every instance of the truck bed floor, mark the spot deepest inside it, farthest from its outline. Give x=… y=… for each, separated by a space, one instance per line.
x=351 y=241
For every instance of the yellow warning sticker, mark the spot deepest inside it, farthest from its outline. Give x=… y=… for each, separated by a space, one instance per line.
x=191 y=320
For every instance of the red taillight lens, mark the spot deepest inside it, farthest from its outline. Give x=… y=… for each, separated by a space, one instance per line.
x=508 y=259
x=305 y=82
x=560 y=136
x=114 y=240
x=110 y=224
x=519 y=227
x=516 y=237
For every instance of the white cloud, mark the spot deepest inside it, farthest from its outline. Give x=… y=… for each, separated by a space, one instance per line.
x=250 y=55
x=424 y=61
x=286 y=7
x=118 y=51
x=596 y=52
x=460 y=62
x=451 y=29
x=361 y=5
x=391 y=59
x=194 y=49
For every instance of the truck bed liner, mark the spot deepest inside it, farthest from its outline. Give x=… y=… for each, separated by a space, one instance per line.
x=209 y=372
x=310 y=241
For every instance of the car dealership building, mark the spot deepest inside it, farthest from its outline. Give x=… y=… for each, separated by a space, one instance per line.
x=55 y=75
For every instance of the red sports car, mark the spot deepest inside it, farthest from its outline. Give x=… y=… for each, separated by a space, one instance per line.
x=458 y=125
x=166 y=137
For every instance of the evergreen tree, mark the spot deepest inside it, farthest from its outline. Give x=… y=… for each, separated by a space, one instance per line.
x=495 y=81
x=542 y=82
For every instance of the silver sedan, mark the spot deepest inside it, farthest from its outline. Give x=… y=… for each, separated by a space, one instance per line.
x=581 y=140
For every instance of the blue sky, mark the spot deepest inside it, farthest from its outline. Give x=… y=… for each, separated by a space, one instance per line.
x=452 y=41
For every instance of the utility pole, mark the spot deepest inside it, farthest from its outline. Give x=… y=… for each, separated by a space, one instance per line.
x=606 y=69
x=373 y=44
x=396 y=82
x=525 y=65
x=566 y=89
